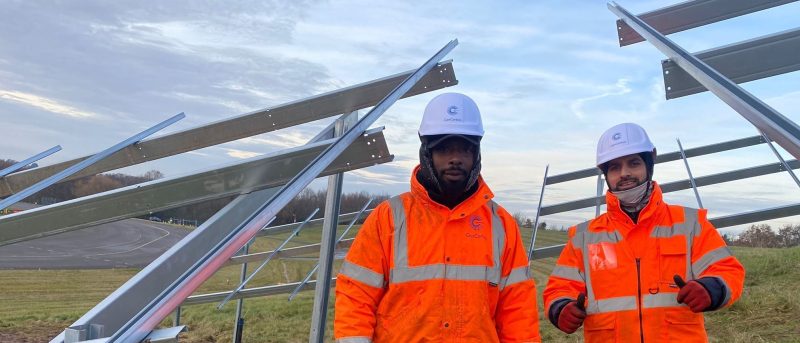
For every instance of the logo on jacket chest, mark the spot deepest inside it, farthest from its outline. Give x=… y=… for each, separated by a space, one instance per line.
x=476 y=224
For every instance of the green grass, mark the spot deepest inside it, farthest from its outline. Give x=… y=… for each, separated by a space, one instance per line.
x=39 y=304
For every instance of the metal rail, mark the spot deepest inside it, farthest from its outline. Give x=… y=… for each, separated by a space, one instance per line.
x=269 y=258
x=338 y=240
x=87 y=162
x=19 y=165
x=691 y=14
x=667 y=157
x=265 y=120
x=170 y=298
x=779 y=128
x=271 y=170
x=750 y=60
x=680 y=185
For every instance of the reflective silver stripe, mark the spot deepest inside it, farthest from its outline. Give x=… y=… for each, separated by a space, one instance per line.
x=580 y=232
x=401 y=272
x=710 y=258
x=400 y=237
x=354 y=339
x=691 y=226
x=498 y=236
x=612 y=305
x=599 y=237
x=661 y=300
x=364 y=275
x=517 y=275
x=569 y=273
x=445 y=271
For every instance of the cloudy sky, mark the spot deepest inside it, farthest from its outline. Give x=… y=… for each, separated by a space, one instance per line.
x=548 y=76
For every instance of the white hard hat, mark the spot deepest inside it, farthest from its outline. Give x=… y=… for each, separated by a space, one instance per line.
x=622 y=140
x=451 y=114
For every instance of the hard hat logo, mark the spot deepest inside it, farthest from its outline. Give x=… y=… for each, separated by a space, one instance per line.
x=452 y=110
x=617 y=136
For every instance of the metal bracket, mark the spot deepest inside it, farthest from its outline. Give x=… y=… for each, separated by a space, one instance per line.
x=741 y=62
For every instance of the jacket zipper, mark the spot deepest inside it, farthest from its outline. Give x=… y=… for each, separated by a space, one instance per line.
x=639 y=296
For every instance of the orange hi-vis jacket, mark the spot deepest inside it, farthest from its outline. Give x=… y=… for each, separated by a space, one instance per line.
x=421 y=272
x=626 y=271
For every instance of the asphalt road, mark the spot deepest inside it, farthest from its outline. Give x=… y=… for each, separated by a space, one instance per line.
x=127 y=243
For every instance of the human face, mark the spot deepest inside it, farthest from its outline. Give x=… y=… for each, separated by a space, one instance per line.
x=626 y=172
x=453 y=160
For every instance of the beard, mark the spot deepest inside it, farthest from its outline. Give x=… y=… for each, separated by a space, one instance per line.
x=453 y=187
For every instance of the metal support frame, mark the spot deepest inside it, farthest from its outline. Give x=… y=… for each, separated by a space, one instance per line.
x=269 y=258
x=600 y=187
x=286 y=253
x=317 y=107
x=689 y=171
x=667 y=157
x=19 y=165
x=681 y=185
x=691 y=14
x=780 y=158
x=237 y=327
x=327 y=241
x=538 y=211
x=779 y=128
x=87 y=162
x=271 y=170
x=750 y=60
x=336 y=244
x=172 y=296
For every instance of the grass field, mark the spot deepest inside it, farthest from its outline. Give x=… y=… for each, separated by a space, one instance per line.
x=37 y=304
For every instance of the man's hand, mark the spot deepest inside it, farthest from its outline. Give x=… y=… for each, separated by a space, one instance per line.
x=693 y=294
x=572 y=315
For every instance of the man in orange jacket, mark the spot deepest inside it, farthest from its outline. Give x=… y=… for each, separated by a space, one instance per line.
x=647 y=270
x=443 y=262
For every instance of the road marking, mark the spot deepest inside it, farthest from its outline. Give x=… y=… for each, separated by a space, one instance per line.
x=138 y=247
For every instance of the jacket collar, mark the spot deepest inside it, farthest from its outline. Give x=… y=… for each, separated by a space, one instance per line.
x=648 y=214
x=481 y=196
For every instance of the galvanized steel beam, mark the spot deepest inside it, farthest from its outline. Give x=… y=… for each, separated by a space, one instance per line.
x=766 y=119
x=668 y=157
x=691 y=14
x=287 y=252
x=258 y=173
x=681 y=185
x=325 y=105
x=19 y=165
x=756 y=216
x=750 y=60
x=83 y=164
x=171 y=297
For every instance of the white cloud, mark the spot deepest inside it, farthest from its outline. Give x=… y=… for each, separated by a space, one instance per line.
x=240 y=154
x=47 y=104
x=619 y=88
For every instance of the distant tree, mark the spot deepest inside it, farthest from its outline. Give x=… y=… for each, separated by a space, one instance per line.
x=528 y=223
x=542 y=225
x=520 y=218
x=789 y=235
x=759 y=236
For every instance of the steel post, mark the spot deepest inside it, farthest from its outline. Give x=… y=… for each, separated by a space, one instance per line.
x=780 y=158
x=689 y=171
x=538 y=210
x=238 y=321
x=600 y=187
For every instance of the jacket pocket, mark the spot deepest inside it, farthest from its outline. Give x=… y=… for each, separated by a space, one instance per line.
x=685 y=326
x=601 y=327
x=673 y=258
